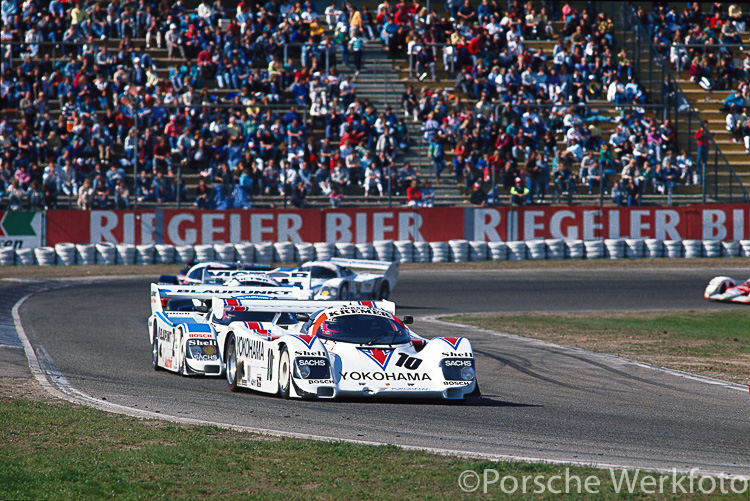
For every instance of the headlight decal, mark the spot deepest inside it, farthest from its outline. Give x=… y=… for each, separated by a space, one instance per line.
x=458 y=369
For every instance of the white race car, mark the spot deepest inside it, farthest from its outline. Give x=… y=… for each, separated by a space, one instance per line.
x=181 y=339
x=334 y=279
x=728 y=289
x=298 y=349
x=308 y=349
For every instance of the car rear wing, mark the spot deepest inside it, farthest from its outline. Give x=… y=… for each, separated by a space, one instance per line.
x=294 y=306
x=162 y=294
x=389 y=269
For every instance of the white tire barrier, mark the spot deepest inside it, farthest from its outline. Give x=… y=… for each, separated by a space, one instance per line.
x=574 y=249
x=615 y=248
x=384 y=250
x=125 y=254
x=364 y=251
x=185 y=253
x=345 y=250
x=106 y=253
x=692 y=248
x=283 y=252
x=66 y=254
x=144 y=254
x=421 y=252
x=303 y=252
x=44 y=256
x=403 y=251
x=245 y=252
x=498 y=251
x=635 y=248
x=516 y=251
x=440 y=252
x=712 y=248
x=594 y=249
x=25 y=257
x=654 y=248
x=478 y=250
x=730 y=249
x=205 y=252
x=86 y=254
x=7 y=256
x=164 y=254
x=555 y=249
x=264 y=253
x=673 y=248
x=324 y=251
x=225 y=252
x=537 y=250
x=459 y=250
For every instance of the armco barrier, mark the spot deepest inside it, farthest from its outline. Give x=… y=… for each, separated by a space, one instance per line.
x=402 y=251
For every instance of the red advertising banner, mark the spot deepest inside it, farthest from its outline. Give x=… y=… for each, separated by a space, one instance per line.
x=194 y=227
x=701 y=222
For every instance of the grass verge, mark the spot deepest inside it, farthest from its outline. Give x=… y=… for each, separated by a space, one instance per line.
x=63 y=451
x=715 y=344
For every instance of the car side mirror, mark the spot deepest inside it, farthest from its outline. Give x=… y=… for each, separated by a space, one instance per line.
x=302 y=317
x=408 y=319
x=203 y=308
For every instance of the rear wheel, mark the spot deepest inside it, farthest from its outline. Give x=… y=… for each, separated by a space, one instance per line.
x=285 y=373
x=231 y=356
x=155 y=351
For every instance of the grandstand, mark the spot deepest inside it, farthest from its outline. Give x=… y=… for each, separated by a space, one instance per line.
x=245 y=108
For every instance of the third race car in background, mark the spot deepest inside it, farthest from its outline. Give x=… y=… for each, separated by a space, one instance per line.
x=334 y=279
x=728 y=289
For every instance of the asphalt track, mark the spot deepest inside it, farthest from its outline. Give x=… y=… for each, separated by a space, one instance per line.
x=540 y=401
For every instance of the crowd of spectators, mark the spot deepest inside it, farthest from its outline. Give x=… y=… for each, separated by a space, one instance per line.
x=520 y=104
x=88 y=112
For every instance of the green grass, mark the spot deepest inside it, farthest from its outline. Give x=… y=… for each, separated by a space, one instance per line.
x=712 y=343
x=62 y=451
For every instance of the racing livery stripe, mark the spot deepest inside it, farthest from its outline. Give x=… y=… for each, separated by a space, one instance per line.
x=380 y=357
x=367 y=303
x=318 y=321
x=307 y=339
x=452 y=341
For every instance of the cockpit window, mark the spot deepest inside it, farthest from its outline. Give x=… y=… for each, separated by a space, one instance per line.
x=363 y=329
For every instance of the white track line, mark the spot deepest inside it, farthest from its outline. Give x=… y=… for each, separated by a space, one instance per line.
x=57 y=385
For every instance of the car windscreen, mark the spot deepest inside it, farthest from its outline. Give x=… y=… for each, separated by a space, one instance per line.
x=363 y=329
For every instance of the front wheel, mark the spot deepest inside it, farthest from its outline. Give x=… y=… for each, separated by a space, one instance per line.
x=344 y=294
x=285 y=373
x=231 y=371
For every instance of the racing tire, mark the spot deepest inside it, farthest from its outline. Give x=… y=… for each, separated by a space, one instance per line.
x=285 y=373
x=231 y=365
x=155 y=352
x=181 y=354
x=385 y=291
x=344 y=294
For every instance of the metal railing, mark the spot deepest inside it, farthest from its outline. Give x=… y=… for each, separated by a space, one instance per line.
x=719 y=181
